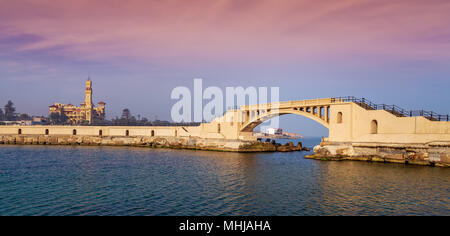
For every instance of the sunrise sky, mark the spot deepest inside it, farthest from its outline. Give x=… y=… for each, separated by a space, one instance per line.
x=137 y=51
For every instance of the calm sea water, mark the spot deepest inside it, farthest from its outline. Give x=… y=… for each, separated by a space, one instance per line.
x=66 y=180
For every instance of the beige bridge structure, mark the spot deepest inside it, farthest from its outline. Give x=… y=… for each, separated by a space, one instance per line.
x=348 y=120
x=357 y=128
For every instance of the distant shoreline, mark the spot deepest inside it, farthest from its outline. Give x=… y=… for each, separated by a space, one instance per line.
x=283 y=136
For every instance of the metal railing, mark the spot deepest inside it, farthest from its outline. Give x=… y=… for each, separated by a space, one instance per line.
x=395 y=110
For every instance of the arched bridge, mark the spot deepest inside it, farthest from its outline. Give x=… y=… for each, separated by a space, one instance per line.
x=346 y=118
x=316 y=109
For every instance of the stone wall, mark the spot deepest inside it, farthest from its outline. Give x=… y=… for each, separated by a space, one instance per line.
x=355 y=125
x=141 y=141
x=212 y=144
x=431 y=154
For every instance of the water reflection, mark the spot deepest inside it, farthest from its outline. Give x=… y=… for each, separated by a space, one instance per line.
x=61 y=180
x=377 y=188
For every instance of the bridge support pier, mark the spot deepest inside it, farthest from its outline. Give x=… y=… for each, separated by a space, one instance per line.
x=430 y=154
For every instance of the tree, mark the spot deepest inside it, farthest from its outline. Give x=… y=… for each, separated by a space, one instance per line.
x=1 y=114
x=54 y=118
x=126 y=114
x=143 y=121
x=102 y=122
x=58 y=119
x=9 y=111
x=24 y=117
x=132 y=121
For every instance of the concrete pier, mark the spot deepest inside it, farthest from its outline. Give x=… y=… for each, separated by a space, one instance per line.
x=195 y=143
x=429 y=154
x=140 y=141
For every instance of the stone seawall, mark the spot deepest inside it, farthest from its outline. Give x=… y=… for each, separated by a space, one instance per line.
x=148 y=141
x=430 y=154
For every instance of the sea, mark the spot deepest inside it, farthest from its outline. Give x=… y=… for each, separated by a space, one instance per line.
x=86 y=180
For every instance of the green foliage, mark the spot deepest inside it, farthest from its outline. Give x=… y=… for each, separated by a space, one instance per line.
x=24 y=117
x=126 y=114
x=9 y=113
x=127 y=119
x=58 y=119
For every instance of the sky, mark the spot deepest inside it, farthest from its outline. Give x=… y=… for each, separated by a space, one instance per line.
x=137 y=51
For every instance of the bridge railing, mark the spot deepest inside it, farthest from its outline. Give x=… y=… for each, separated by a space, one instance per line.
x=394 y=109
x=285 y=104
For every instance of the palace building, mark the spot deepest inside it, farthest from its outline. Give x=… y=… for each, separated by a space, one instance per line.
x=85 y=113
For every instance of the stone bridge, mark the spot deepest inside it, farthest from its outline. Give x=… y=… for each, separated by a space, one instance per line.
x=357 y=127
x=348 y=119
x=316 y=109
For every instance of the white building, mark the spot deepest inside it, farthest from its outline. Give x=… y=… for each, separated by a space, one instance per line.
x=275 y=131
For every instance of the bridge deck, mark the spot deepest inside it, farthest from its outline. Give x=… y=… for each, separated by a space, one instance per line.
x=362 y=102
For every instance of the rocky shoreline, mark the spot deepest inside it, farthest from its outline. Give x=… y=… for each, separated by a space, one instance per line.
x=192 y=143
x=429 y=154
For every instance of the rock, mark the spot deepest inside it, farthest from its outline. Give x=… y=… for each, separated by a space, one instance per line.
x=284 y=148
x=160 y=141
x=319 y=150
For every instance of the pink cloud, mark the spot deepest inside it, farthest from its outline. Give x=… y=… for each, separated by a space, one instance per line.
x=230 y=30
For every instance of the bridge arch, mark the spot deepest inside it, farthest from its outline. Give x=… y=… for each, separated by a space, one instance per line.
x=249 y=125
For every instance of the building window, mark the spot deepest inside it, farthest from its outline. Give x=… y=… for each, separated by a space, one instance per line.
x=46 y=132
x=127 y=133
x=19 y=131
x=339 y=117
x=218 y=128
x=153 y=133
x=374 y=127
x=100 y=132
x=74 y=132
x=176 y=133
